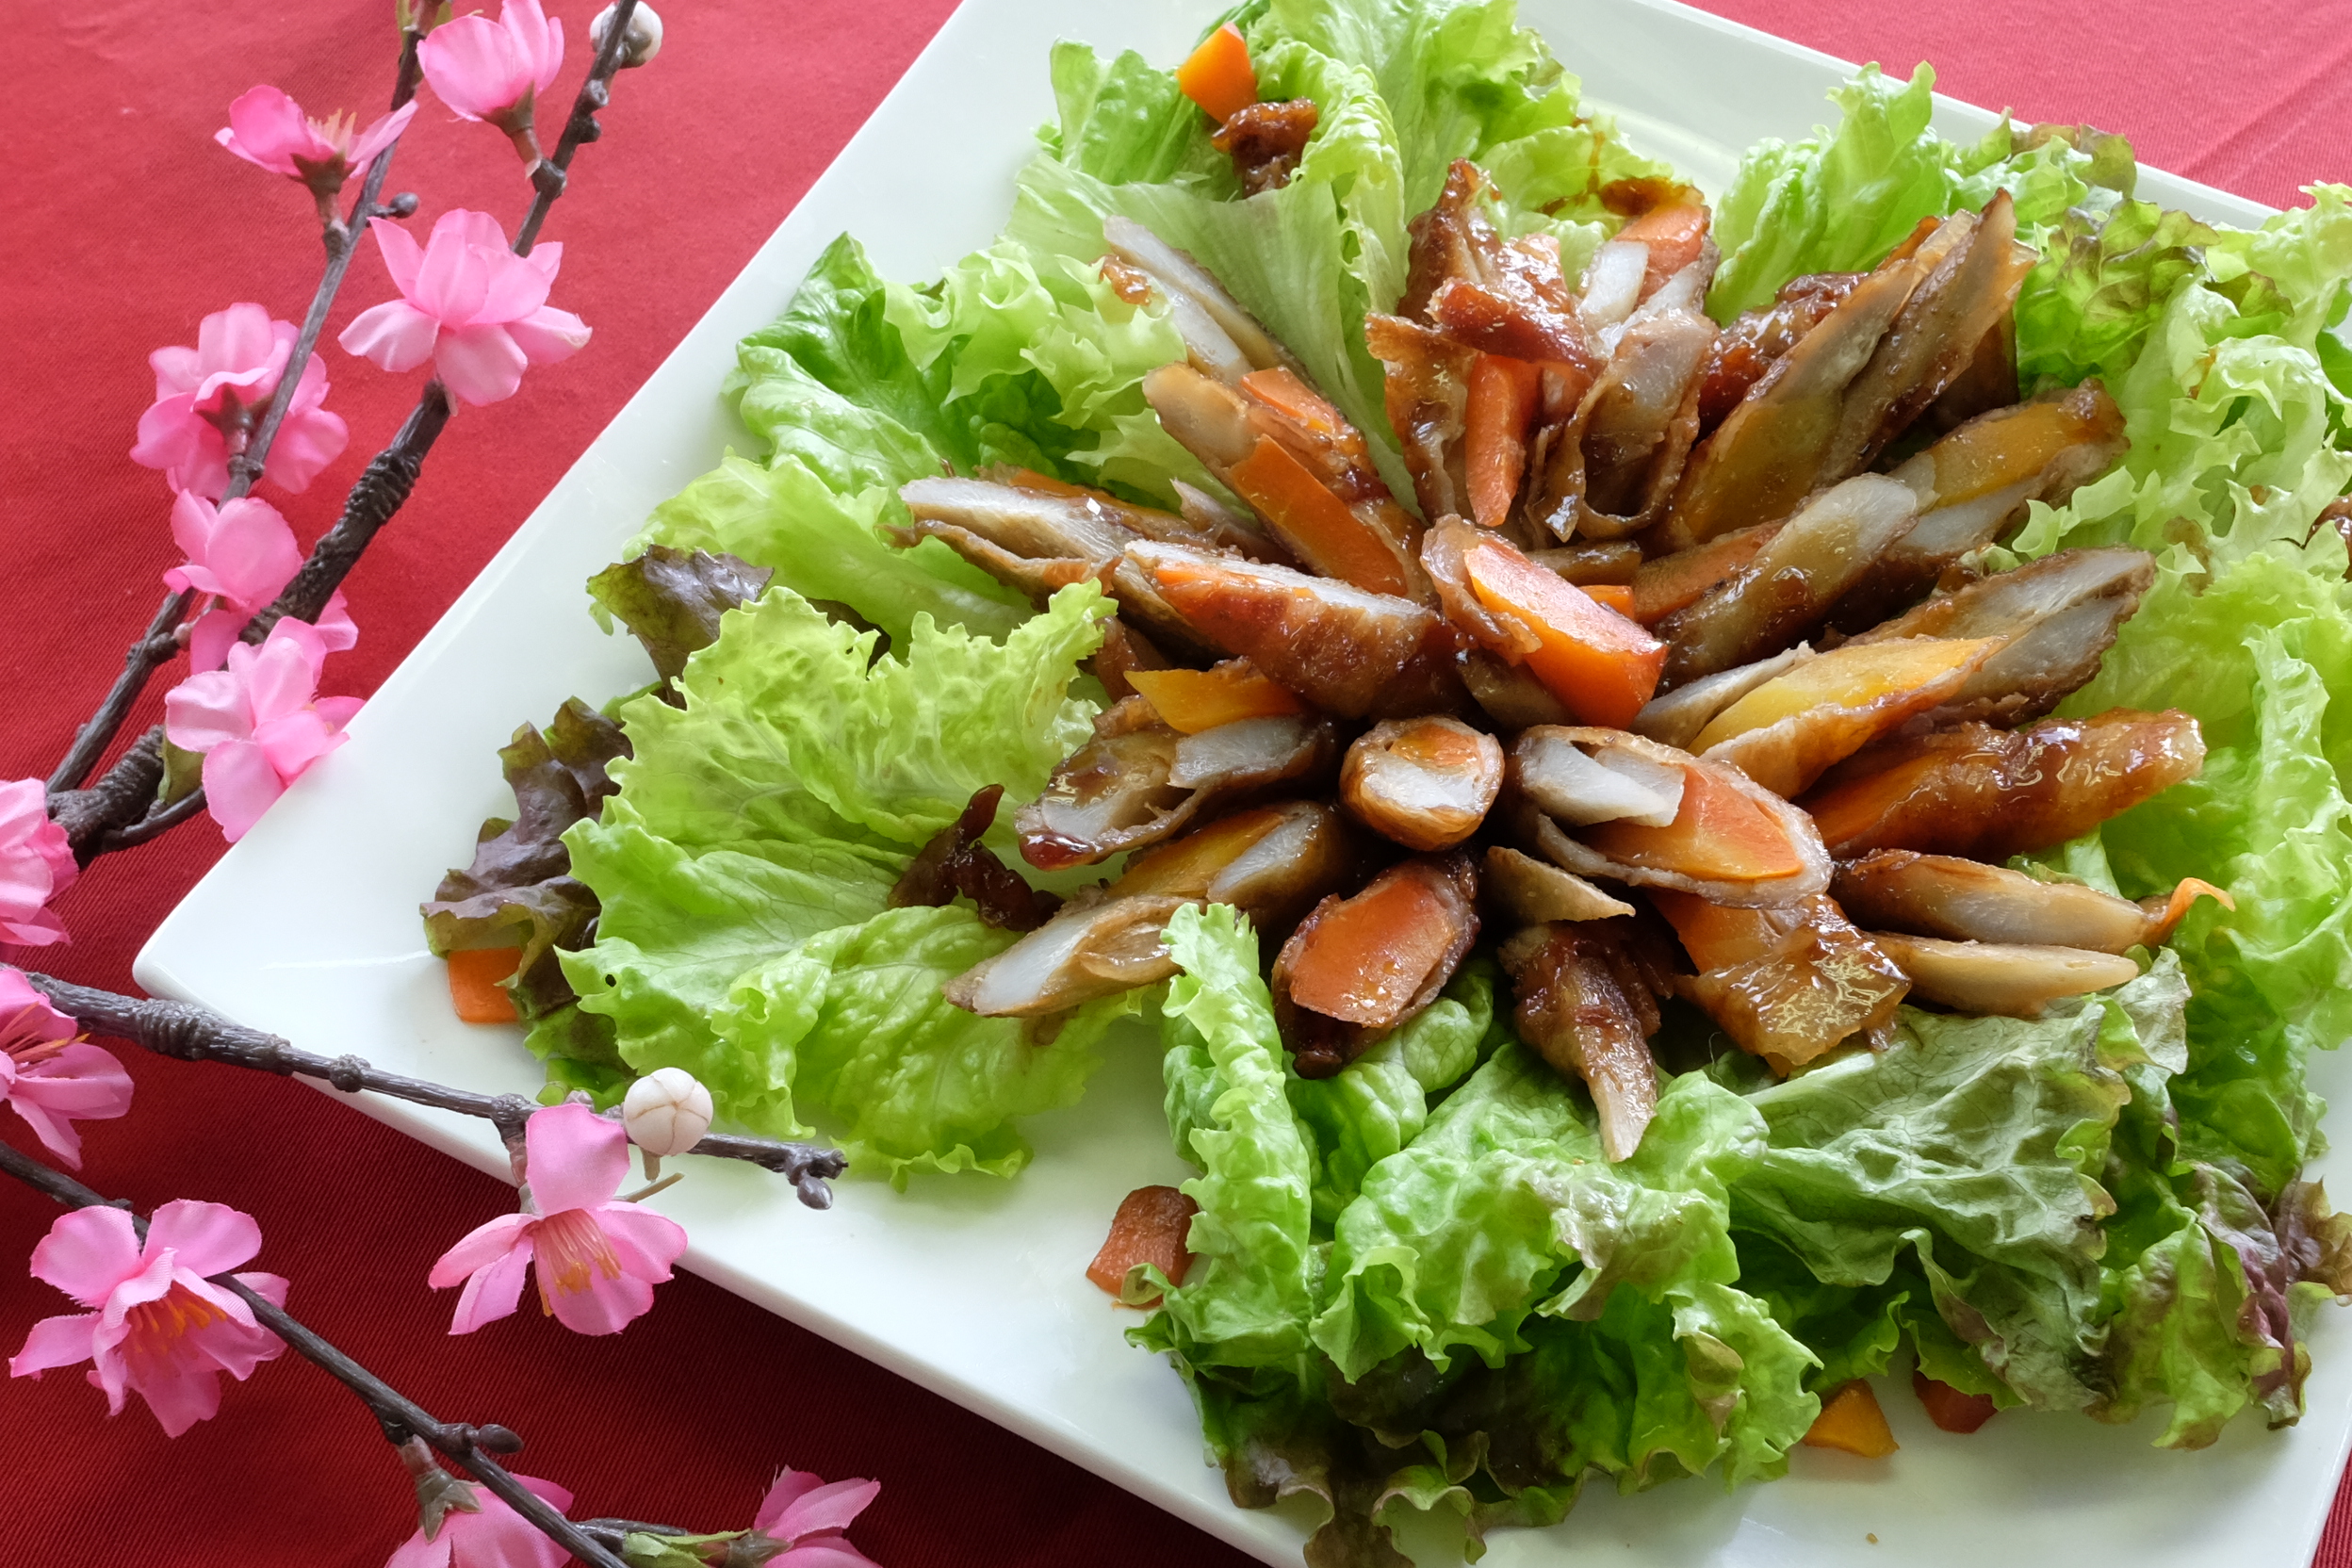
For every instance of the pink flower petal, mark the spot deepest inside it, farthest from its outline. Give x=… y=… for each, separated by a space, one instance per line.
x=39 y=929
x=270 y=1287
x=208 y=709
x=309 y=438
x=479 y=365
x=336 y=632
x=401 y=252
x=516 y=288
x=394 y=336
x=250 y=554
x=234 y=343
x=788 y=1488
x=55 y=1342
x=293 y=743
x=547 y=256
x=239 y=785
x=479 y=1249
x=25 y=1015
x=56 y=1132
x=824 y=1551
x=454 y=282
x=88 y=1253
x=574 y=1158
x=417 y=1552
x=467 y=226
x=237 y=1348
x=266 y=128
x=548 y=334
x=211 y=1239
x=830 y=1507
x=471 y=64
x=284 y=675
x=210 y=640
x=604 y=1305
x=180 y=1402
x=538 y=41
x=175 y=370
x=81 y=1081
x=492 y=1292
x=504 y=1539
x=376 y=138
x=647 y=1243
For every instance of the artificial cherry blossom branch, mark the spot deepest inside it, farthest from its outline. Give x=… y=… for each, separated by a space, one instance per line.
x=157 y=644
x=191 y=1033
x=551 y=174
x=400 y=1416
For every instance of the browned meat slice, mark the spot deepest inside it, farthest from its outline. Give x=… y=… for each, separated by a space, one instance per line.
x=1426 y=783
x=1938 y=896
x=1265 y=140
x=955 y=862
x=1138 y=781
x=1599 y=562
x=1610 y=470
x=1088 y=949
x=2056 y=618
x=1299 y=465
x=1974 y=487
x=1347 y=652
x=1748 y=348
x=1498 y=296
x=1587 y=1002
x=2000 y=978
x=1789 y=731
x=1428 y=396
x=1787 y=589
x=1677 y=582
x=1989 y=794
x=1357 y=968
x=1271 y=862
x=1788 y=985
x=1729 y=840
x=1124 y=650
x=1676 y=718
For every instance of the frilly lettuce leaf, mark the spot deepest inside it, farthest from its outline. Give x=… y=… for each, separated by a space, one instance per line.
x=745 y=866
x=1505 y=1206
x=671 y=599
x=1839 y=201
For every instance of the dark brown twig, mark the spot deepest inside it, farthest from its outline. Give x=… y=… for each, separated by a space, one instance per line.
x=121 y=794
x=191 y=1033
x=400 y=1416
x=551 y=174
x=154 y=646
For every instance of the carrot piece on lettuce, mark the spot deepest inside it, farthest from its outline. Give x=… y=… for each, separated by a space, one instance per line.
x=1150 y=1227
x=1218 y=77
x=1948 y=1408
x=1851 y=1421
x=474 y=988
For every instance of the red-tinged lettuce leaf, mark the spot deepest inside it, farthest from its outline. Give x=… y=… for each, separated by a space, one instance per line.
x=671 y=599
x=519 y=892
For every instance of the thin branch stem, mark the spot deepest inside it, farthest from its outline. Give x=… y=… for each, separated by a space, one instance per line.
x=194 y=1034
x=552 y=172
x=154 y=646
x=400 y=1416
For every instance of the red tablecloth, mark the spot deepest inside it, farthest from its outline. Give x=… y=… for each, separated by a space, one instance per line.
x=125 y=225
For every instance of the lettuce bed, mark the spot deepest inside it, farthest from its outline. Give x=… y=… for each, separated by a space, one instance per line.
x=1418 y=1284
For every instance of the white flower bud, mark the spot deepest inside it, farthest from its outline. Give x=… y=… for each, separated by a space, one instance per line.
x=666 y=1112
x=645 y=34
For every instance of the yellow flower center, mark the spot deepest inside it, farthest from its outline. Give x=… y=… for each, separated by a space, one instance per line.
x=156 y=1333
x=569 y=1247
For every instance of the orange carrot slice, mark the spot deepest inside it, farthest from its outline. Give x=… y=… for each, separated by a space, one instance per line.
x=1668 y=583
x=1218 y=77
x=1151 y=1226
x=1611 y=596
x=1852 y=677
x=1715 y=935
x=1369 y=954
x=1503 y=397
x=1190 y=701
x=474 y=977
x=1674 y=235
x=1850 y=1420
x=1950 y=1409
x=1719 y=834
x=1184 y=867
x=1285 y=394
x=1602 y=665
x=1313 y=522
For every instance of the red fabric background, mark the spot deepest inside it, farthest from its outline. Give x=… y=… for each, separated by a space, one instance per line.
x=126 y=225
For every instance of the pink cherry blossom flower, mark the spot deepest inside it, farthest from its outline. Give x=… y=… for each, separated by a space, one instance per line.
x=209 y=397
x=498 y=1537
x=158 y=1327
x=267 y=129
x=808 y=1515
x=597 y=1260
x=495 y=71
x=475 y=308
x=242 y=554
x=259 y=723
x=48 y=1075
x=36 y=865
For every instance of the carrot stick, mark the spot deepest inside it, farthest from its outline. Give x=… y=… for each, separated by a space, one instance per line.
x=1852 y=1420
x=1218 y=77
x=1614 y=596
x=1603 y=666
x=1315 y=524
x=1190 y=701
x=474 y=989
x=1151 y=1226
x=1503 y=397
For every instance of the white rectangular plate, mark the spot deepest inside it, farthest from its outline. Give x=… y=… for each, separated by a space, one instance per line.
x=973 y=1287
